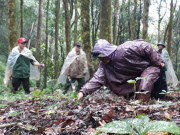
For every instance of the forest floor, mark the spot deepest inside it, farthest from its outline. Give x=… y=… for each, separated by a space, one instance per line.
x=59 y=115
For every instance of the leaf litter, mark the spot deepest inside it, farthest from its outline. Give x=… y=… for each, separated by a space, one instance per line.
x=65 y=117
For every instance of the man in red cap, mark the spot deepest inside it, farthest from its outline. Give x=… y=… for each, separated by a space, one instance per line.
x=18 y=65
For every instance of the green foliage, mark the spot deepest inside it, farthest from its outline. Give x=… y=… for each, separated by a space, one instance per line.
x=14 y=113
x=140 y=125
x=10 y=97
x=2 y=72
x=134 y=82
x=166 y=93
x=3 y=105
x=38 y=94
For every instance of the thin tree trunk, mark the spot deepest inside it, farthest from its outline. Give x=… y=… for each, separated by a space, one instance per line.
x=145 y=19
x=116 y=8
x=93 y=21
x=22 y=18
x=165 y=33
x=133 y=24
x=169 y=39
x=76 y=20
x=46 y=45
x=38 y=44
x=139 y=19
x=12 y=24
x=56 y=55
x=176 y=57
x=105 y=20
x=120 y=27
x=129 y=18
x=67 y=26
x=160 y=18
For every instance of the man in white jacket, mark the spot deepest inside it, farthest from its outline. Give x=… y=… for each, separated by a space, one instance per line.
x=18 y=65
x=171 y=78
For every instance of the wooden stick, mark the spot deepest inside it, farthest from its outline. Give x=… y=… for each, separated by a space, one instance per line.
x=8 y=125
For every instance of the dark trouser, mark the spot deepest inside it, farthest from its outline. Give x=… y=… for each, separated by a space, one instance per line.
x=80 y=81
x=16 y=82
x=159 y=85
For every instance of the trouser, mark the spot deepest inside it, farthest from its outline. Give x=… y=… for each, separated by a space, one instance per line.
x=159 y=85
x=16 y=82
x=81 y=82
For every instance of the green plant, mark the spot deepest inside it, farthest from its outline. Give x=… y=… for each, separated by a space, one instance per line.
x=38 y=94
x=134 y=82
x=14 y=113
x=166 y=93
x=140 y=125
x=3 y=105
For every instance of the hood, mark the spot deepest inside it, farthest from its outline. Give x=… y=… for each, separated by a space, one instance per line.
x=104 y=47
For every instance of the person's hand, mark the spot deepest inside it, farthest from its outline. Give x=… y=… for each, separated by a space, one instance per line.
x=80 y=95
x=145 y=97
x=162 y=64
x=41 y=65
x=10 y=76
x=69 y=77
x=84 y=74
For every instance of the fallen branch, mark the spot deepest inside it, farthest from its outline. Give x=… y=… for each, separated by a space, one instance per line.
x=8 y=125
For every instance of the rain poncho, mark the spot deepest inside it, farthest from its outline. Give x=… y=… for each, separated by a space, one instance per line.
x=15 y=53
x=171 y=78
x=69 y=63
x=128 y=61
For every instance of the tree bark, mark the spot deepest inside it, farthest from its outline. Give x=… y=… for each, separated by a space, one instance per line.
x=169 y=39
x=139 y=19
x=22 y=18
x=95 y=18
x=116 y=9
x=46 y=45
x=76 y=20
x=160 y=18
x=133 y=24
x=38 y=43
x=56 y=55
x=105 y=20
x=12 y=24
x=129 y=18
x=145 y=18
x=85 y=31
x=67 y=26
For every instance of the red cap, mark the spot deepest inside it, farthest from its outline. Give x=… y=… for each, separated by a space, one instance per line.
x=22 y=40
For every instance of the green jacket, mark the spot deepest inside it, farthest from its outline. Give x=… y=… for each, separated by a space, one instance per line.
x=22 y=67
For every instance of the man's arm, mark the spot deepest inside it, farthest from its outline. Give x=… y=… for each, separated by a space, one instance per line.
x=165 y=56
x=95 y=83
x=152 y=55
x=38 y=64
x=85 y=66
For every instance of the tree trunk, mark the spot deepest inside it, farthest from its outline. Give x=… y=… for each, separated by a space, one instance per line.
x=38 y=44
x=85 y=33
x=67 y=26
x=22 y=18
x=133 y=24
x=145 y=18
x=129 y=18
x=56 y=55
x=95 y=18
x=116 y=9
x=46 y=46
x=169 y=39
x=76 y=20
x=12 y=24
x=105 y=20
x=139 y=20
x=160 y=18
